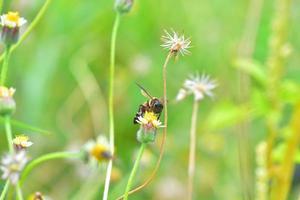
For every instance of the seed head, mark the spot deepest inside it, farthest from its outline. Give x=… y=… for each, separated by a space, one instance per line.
x=197 y=85
x=175 y=43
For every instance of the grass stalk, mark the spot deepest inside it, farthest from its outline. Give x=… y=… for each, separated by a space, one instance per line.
x=47 y=157
x=9 y=134
x=5 y=65
x=192 y=154
x=164 y=135
x=134 y=170
x=287 y=167
x=19 y=192
x=4 y=191
x=111 y=103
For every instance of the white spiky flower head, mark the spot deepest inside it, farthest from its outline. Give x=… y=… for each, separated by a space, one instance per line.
x=175 y=43
x=12 y=20
x=199 y=86
x=98 y=149
x=12 y=165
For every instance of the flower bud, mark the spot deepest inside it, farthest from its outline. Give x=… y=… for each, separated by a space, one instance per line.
x=146 y=135
x=7 y=102
x=11 y=23
x=149 y=123
x=123 y=6
x=21 y=142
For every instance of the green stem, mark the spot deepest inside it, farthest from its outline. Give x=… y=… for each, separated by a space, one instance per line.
x=192 y=155
x=9 y=134
x=19 y=192
x=164 y=135
x=5 y=65
x=4 y=191
x=134 y=169
x=111 y=102
x=44 y=158
x=36 y=20
x=1 y=6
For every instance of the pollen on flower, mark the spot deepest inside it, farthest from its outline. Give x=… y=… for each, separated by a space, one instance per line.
x=13 y=16
x=22 y=142
x=150 y=119
x=6 y=92
x=175 y=43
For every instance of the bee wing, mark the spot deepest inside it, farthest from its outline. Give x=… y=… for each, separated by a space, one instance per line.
x=144 y=91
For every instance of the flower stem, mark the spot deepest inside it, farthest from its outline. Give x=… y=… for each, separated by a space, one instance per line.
x=36 y=20
x=47 y=157
x=1 y=5
x=111 y=102
x=151 y=177
x=19 y=192
x=8 y=134
x=5 y=65
x=192 y=156
x=134 y=169
x=288 y=165
x=4 y=191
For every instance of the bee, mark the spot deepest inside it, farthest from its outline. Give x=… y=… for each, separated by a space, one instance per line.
x=154 y=105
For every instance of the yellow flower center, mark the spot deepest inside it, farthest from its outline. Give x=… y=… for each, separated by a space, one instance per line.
x=99 y=151
x=150 y=116
x=19 y=140
x=13 y=17
x=5 y=92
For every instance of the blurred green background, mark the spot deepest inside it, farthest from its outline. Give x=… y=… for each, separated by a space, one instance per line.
x=61 y=76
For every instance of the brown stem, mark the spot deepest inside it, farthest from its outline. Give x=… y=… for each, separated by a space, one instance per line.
x=164 y=135
x=192 y=155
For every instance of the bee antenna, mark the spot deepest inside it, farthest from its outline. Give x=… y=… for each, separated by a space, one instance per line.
x=144 y=91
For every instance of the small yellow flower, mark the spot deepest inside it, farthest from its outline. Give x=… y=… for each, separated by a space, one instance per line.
x=6 y=92
x=149 y=119
x=99 y=149
x=22 y=142
x=12 y=20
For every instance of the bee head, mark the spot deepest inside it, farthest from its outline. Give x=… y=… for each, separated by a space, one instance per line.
x=157 y=106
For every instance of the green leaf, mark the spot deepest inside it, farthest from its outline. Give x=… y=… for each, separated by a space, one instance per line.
x=253 y=69
x=259 y=102
x=290 y=92
x=26 y=127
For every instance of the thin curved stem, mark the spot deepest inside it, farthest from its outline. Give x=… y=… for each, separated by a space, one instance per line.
x=36 y=20
x=192 y=155
x=134 y=170
x=164 y=135
x=111 y=103
x=5 y=65
x=19 y=192
x=44 y=158
x=9 y=134
x=4 y=191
